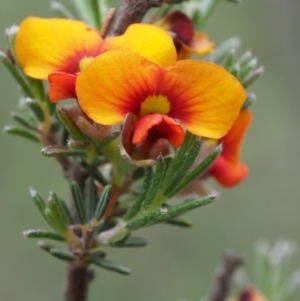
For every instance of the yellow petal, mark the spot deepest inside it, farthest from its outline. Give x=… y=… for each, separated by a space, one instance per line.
x=147 y=40
x=44 y=46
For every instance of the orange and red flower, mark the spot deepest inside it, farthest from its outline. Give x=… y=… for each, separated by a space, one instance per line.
x=201 y=96
x=250 y=294
x=187 y=41
x=59 y=49
x=227 y=168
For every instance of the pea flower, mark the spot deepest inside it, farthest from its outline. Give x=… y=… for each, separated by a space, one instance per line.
x=187 y=41
x=227 y=168
x=201 y=97
x=250 y=294
x=59 y=49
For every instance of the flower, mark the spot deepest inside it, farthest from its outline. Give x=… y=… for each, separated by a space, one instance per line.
x=59 y=49
x=250 y=294
x=202 y=96
x=187 y=41
x=227 y=168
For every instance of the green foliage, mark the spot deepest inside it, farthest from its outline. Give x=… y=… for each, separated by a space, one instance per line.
x=63 y=255
x=17 y=131
x=103 y=202
x=164 y=213
x=60 y=10
x=43 y=234
x=110 y=266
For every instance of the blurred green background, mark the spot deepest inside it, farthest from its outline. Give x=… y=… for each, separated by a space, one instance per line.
x=178 y=264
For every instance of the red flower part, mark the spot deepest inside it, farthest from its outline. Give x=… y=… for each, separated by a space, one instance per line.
x=187 y=41
x=227 y=169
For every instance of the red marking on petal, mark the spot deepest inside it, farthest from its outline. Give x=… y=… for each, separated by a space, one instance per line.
x=157 y=126
x=62 y=86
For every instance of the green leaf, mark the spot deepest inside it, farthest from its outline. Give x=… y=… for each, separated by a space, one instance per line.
x=63 y=255
x=234 y=1
x=163 y=214
x=252 y=77
x=56 y=213
x=60 y=10
x=229 y=60
x=245 y=71
x=17 y=75
x=180 y=222
x=22 y=120
x=95 y=173
x=206 y=7
x=84 y=11
x=201 y=168
x=39 y=202
x=223 y=50
x=67 y=212
x=78 y=145
x=119 y=242
x=133 y=242
x=107 y=140
x=43 y=234
x=244 y=59
x=156 y=183
x=37 y=88
x=60 y=151
x=182 y=167
x=121 y=269
x=236 y=71
x=78 y=202
x=137 y=205
x=103 y=202
x=35 y=107
x=138 y=173
x=69 y=123
x=251 y=98
x=16 y=131
x=94 y=4
x=90 y=197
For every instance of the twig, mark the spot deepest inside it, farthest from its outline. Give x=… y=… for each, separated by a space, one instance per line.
x=77 y=280
x=229 y=263
x=107 y=22
x=132 y=11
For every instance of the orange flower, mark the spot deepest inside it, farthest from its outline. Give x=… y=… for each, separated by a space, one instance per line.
x=250 y=294
x=59 y=49
x=187 y=41
x=204 y=97
x=227 y=169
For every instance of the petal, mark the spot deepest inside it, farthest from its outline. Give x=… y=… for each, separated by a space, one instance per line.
x=157 y=126
x=62 y=86
x=147 y=40
x=226 y=174
x=145 y=153
x=44 y=46
x=180 y=25
x=115 y=84
x=182 y=29
x=204 y=97
x=232 y=142
x=200 y=44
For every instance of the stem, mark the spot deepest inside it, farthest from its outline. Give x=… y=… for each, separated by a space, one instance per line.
x=77 y=281
x=132 y=11
x=221 y=287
